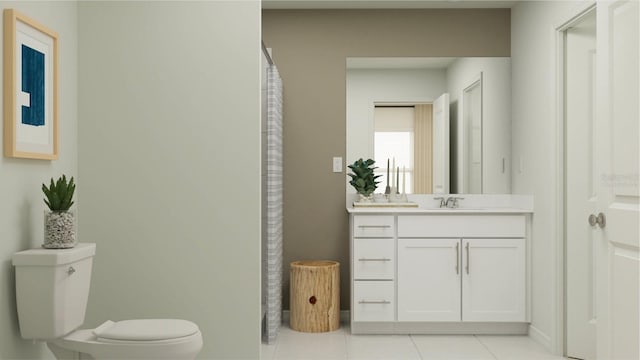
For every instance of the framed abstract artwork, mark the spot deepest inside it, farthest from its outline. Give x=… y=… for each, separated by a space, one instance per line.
x=30 y=89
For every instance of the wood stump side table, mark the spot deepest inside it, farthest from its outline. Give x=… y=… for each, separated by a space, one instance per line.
x=315 y=295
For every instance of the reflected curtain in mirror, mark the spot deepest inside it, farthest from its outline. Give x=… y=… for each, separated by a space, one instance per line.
x=423 y=152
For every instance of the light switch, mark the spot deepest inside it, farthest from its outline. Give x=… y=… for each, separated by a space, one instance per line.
x=337 y=164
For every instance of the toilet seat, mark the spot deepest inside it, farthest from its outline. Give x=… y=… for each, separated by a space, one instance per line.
x=145 y=330
x=170 y=339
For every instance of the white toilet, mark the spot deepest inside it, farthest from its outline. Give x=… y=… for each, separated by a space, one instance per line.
x=52 y=288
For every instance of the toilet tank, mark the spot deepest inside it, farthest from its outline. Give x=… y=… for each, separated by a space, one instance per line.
x=52 y=289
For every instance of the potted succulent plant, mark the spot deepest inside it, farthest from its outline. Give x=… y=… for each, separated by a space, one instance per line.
x=363 y=178
x=59 y=222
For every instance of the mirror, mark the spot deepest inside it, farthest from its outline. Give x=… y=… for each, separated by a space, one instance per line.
x=446 y=121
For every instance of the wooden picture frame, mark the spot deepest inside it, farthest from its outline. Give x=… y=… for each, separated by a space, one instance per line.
x=30 y=89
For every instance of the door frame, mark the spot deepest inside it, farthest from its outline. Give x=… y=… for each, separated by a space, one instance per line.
x=473 y=82
x=558 y=340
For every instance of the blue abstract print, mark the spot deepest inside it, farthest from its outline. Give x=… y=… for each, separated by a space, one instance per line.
x=33 y=84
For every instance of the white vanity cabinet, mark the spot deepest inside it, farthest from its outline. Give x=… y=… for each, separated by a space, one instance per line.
x=439 y=272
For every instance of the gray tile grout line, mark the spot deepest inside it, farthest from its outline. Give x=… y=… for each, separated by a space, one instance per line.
x=485 y=346
x=275 y=346
x=346 y=345
x=415 y=346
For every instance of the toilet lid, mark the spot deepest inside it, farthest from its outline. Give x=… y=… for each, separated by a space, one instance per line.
x=146 y=329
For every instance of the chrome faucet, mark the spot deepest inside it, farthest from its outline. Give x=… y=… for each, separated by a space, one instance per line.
x=443 y=202
x=452 y=202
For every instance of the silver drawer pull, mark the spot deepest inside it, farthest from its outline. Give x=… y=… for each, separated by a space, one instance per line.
x=467 y=247
x=457 y=258
x=374 y=226
x=374 y=302
x=374 y=259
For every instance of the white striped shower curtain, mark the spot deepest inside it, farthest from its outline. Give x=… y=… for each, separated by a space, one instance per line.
x=274 y=205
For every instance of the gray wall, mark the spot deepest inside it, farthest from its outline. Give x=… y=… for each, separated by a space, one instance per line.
x=21 y=205
x=169 y=158
x=310 y=48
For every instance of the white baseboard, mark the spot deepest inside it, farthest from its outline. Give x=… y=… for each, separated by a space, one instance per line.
x=344 y=316
x=439 y=328
x=540 y=337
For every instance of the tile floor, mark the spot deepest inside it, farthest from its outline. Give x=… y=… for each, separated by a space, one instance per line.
x=341 y=344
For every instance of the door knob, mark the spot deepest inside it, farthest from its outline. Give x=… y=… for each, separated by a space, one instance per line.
x=600 y=220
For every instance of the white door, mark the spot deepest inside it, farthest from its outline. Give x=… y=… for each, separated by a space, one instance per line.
x=581 y=189
x=429 y=279
x=493 y=280
x=618 y=334
x=472 y=120
x=441 y=145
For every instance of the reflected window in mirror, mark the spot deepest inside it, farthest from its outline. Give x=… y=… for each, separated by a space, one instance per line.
x=394 y=143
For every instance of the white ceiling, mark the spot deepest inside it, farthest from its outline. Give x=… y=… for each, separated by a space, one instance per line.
x=385 y=4
x=399 y=62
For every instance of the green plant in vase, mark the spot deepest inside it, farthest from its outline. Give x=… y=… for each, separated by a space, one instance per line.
x=59 y=224
x=363 y=178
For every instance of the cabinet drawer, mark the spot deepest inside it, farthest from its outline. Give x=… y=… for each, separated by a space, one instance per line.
x=511 y=226
x=373 y=226
x=373 y=259
x=373 y=301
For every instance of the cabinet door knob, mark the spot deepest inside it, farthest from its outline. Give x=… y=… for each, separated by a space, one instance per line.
x=600 y=220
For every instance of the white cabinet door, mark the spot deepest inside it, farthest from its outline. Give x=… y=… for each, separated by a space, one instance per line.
x=429 y=279
x=493 y=280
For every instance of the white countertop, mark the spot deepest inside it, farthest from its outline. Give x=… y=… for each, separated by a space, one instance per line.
x=436 y=211
x=469 y=204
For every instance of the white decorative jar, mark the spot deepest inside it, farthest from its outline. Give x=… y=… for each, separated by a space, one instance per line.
x=365 y=198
